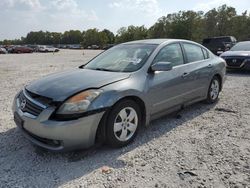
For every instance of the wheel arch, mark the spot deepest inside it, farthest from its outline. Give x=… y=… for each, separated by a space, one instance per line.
x=140 y=102
x=101 y=129
x=220 y=79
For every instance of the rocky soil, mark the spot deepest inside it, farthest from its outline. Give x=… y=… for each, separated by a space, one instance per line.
x=202 y=146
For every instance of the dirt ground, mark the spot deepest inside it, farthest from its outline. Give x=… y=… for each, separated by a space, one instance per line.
x=204 y=146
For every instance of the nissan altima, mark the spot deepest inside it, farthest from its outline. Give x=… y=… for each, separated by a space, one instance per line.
x=238 y=57
x=114 y=94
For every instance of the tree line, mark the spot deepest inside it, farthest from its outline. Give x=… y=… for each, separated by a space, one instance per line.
x=191 y=25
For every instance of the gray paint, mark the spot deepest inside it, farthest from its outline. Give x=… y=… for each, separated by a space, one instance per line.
x=161 y=92
x=60 y=86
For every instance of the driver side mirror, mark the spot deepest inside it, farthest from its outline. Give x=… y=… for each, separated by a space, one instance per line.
x=161 y=66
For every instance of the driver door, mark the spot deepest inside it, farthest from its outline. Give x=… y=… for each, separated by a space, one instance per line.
x=166 y=88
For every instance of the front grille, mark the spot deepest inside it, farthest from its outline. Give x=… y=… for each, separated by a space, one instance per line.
x=28 y=106
x=41 y=99
x=235 y=61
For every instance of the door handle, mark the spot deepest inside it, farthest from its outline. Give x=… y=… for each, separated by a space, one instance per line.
x=185 y=74
x=210 y=66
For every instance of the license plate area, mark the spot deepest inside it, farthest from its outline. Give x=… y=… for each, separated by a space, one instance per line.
x=18 y=120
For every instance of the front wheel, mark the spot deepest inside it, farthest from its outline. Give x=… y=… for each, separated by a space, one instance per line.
x=123 y=123
x=213 y=91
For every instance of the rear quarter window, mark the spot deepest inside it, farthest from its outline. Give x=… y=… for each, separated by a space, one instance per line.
x=205 y=53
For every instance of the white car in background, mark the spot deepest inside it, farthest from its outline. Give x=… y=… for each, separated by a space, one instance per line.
x=3 y=51
x=47 y=49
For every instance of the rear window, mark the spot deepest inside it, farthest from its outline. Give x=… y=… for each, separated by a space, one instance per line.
x=193 y=52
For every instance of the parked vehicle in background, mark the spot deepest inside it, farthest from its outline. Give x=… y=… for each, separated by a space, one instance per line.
x=9 y=48
x=43 y=48
x=75 y=46
x=62 y=46
x=34 y=47
x=3 y=51
x=94 y=47
x=117 y=92
x=21 y=49
x=107 y=46
x=238 y=57
x=218 y=45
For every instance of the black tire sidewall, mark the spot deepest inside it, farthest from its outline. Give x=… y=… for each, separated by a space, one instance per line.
x=111 y=140
x=209 y=99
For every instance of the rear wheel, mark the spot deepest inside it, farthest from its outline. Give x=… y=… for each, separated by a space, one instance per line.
x=213 y=91
x=123 y=123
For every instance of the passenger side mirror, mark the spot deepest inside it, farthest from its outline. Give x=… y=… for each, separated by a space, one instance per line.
x=161 y=66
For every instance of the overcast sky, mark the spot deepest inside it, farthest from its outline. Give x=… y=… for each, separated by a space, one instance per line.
x=18 y=17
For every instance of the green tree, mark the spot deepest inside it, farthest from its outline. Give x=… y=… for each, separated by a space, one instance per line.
x=160 y=29
x=184 y=24
x=131 y=33
x=72 y=37
x=241 y=26
x=219 y=21
x=103 y=39
x=110 y=36
x=36 y=37
x=91 y=37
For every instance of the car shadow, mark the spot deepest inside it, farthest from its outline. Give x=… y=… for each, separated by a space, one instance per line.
x=19 y=159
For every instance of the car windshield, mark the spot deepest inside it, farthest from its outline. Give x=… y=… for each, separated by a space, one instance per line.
x=122 y=58
x=242 y=46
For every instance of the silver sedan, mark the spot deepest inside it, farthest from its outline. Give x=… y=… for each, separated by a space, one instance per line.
x=120 y=90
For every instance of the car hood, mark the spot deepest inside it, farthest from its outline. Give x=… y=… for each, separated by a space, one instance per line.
x=60 y=86
x=236 y=53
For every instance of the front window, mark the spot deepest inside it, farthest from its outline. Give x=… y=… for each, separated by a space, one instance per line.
x=122 y=58
x=171 y=53
x=242 y=46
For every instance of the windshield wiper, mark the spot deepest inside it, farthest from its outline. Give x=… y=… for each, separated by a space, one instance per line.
x=103 y=69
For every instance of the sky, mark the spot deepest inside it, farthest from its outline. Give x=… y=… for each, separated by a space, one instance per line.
x=18 y=17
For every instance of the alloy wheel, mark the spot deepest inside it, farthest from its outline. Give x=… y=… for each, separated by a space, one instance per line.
x=214 y=89
x=125 y=124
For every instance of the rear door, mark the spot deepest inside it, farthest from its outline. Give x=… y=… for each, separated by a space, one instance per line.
x=198 y=69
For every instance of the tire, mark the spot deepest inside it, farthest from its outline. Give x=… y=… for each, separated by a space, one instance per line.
x=120 y=131
x=213 y=91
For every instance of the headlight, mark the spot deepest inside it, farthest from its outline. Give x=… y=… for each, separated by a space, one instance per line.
x=79 y=103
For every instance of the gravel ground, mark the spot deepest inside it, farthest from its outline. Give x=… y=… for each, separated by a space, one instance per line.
x=202 y=146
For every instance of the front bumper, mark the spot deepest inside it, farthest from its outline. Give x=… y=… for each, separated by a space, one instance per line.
x=56 y=135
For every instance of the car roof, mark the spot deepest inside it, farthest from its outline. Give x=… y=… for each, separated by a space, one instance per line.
x=156 y=41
